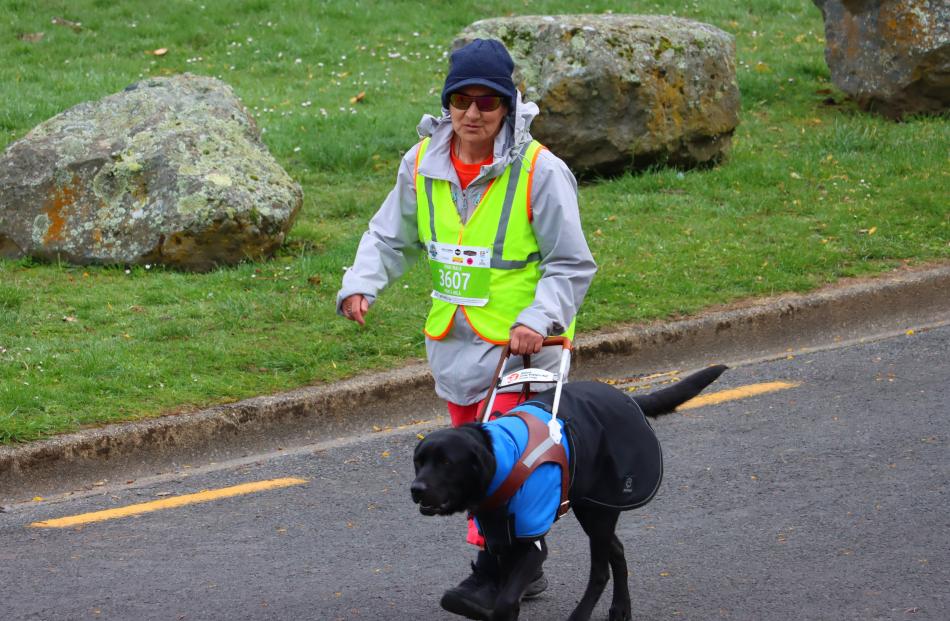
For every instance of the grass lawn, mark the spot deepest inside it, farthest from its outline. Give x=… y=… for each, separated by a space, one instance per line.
x=811 y=192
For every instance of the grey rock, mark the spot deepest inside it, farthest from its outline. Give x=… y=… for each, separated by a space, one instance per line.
x=623 y=92
x=170 y=171
x=891 y=56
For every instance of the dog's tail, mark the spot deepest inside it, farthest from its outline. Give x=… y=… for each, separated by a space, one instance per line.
x=667 y=399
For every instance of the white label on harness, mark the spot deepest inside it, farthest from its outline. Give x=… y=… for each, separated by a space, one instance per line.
x=528 y=375
x=554 y=430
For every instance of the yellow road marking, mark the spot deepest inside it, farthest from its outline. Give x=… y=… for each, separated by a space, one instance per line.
x=168 y=503
x=249 y=488
x=736 y=393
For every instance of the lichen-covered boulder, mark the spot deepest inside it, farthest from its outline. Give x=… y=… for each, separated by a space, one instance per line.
x=891 y=56
x=623 y=92
x=170 y=171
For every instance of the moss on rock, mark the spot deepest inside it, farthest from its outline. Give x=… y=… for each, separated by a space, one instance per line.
x=621 y=92
x=163 y=172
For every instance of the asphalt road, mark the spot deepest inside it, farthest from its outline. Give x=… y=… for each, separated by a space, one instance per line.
x=827 y=500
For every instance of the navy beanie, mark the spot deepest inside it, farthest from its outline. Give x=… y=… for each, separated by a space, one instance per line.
x=484 y=62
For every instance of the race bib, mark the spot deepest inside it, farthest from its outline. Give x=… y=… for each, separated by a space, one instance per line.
x=460 y=274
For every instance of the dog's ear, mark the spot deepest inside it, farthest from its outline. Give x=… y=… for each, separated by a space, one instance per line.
x=482 y=462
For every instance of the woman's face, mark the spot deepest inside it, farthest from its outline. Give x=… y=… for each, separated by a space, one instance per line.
x=475 y=126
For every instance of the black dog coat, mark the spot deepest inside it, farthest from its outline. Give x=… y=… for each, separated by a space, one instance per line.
x=616 y=459
x=615 y=456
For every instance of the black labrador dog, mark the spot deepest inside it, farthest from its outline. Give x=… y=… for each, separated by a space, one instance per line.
x=615 y=465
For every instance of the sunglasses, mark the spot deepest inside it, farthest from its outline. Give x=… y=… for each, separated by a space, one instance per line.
x=485 y=103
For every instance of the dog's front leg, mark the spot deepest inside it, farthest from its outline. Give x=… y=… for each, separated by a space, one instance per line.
x=519 y=565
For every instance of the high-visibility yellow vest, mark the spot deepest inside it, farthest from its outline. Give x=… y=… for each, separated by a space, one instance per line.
x=502 y=222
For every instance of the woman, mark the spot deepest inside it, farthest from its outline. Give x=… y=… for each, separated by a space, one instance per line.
x=496 y=213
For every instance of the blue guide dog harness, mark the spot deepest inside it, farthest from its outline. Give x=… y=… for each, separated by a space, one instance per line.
x=610 y=457
x=532 y=478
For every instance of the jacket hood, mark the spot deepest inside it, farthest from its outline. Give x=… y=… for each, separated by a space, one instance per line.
x=515 y=133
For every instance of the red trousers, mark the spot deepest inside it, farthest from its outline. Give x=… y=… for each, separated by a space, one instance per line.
x=462 y=414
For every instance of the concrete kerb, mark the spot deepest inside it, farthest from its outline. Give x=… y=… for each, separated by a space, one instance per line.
x=849 y=311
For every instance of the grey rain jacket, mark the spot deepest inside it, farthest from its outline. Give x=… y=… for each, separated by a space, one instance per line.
x=462 y=363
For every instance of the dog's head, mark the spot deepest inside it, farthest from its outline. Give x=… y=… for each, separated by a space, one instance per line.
x=453 y=470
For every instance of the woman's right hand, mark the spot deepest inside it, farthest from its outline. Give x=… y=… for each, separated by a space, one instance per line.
x=355 y=308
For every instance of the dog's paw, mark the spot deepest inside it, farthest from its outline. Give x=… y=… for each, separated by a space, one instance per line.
x=620 y=613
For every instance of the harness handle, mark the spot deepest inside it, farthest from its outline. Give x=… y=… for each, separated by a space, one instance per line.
x=566 y=348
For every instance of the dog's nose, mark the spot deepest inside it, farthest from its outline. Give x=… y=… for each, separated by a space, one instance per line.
x=418 y=488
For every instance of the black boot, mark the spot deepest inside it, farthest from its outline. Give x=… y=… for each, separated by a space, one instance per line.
x=540 y=582
x=475 y=596
x=536 y=587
